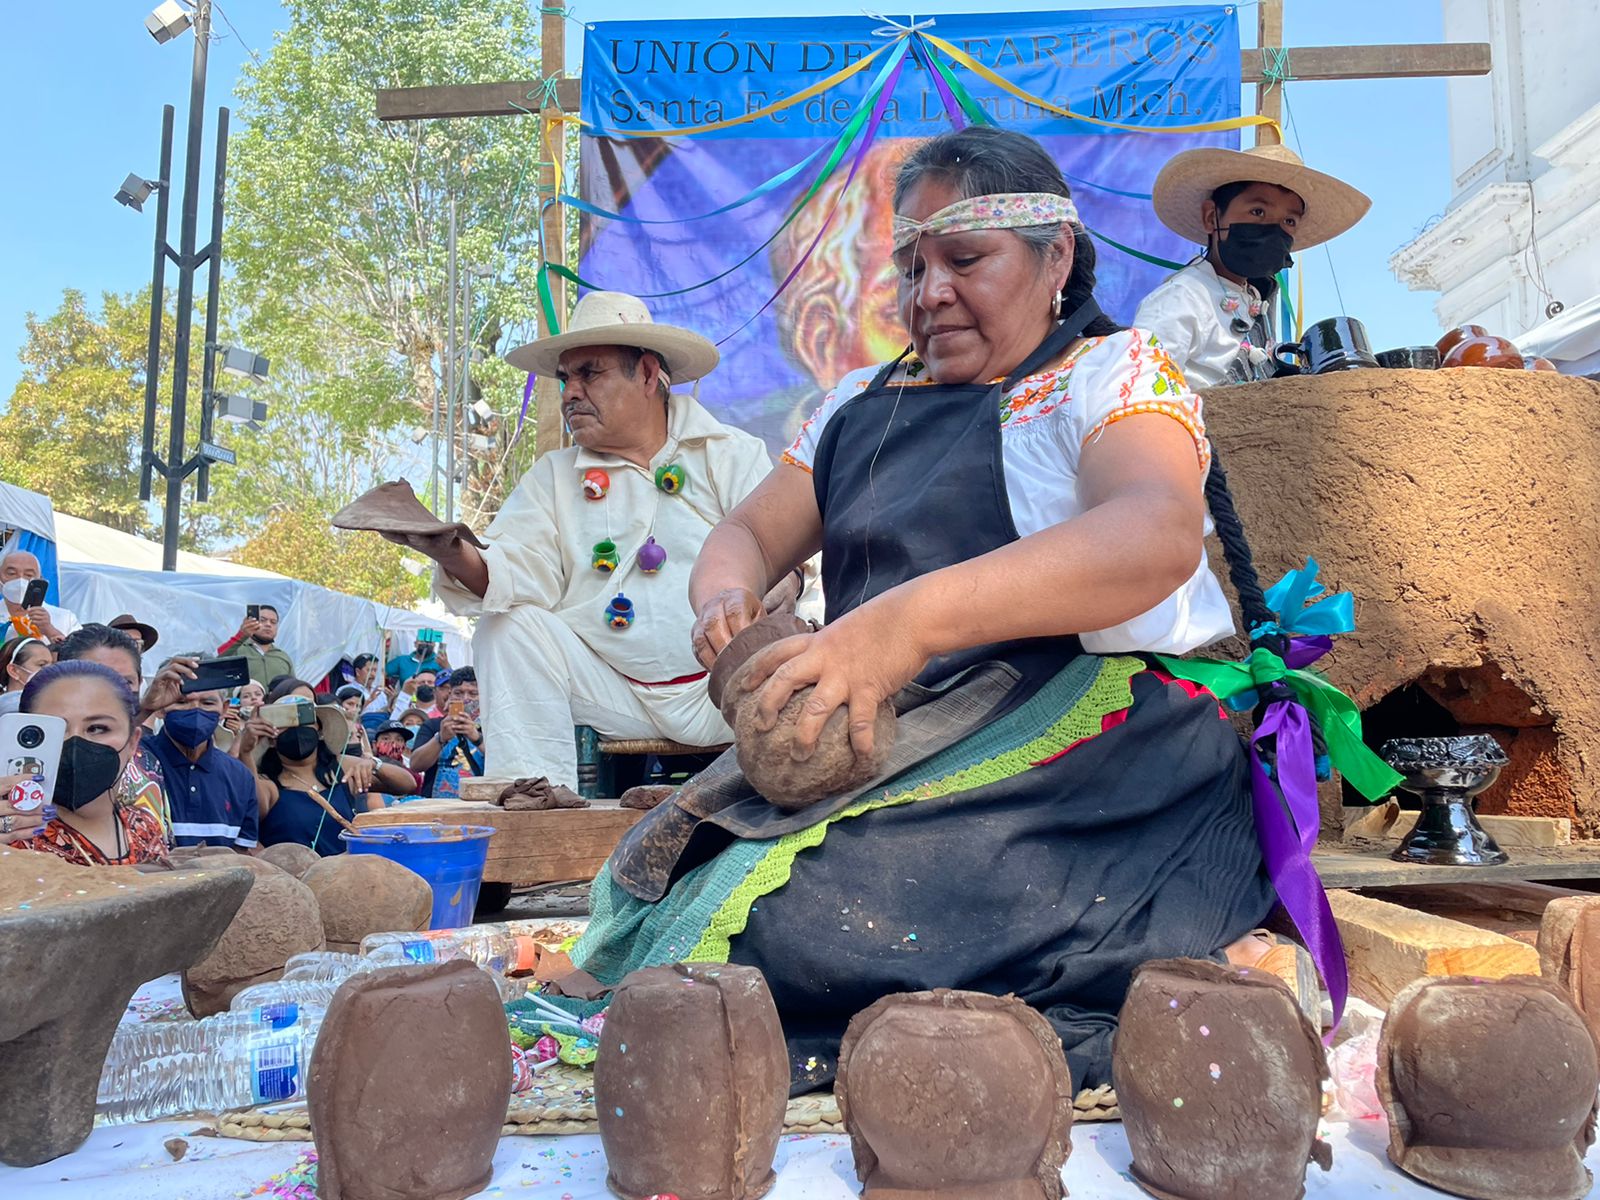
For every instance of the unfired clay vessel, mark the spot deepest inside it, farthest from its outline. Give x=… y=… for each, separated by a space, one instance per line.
x=691 y=1083
x=1490 y=1087
x=1569 y=952
x=1219 y=1077
x=361 y=894
x=409 y=1084
x=766 y=757
x=292 y=857
x=278 y=919
x=952 y=1095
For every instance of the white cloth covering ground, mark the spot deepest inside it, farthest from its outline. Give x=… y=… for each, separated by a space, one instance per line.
x=131 y=1162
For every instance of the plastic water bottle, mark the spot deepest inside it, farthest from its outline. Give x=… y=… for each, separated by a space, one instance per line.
x=247 y=1067
x=493 y=949
x=315 y=965
x=280 y=993
x=157 y=1039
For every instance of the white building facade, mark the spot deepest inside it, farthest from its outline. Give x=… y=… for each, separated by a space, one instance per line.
x=1522 y=231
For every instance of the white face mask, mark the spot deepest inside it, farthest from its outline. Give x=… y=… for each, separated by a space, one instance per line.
x=15 y=590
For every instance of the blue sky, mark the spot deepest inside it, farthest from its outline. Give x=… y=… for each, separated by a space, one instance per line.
x=85 y=100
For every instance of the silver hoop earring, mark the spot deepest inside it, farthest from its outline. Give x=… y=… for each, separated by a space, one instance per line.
x=1055 y=307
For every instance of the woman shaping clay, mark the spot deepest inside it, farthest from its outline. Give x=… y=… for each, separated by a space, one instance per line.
x=1249 y=209
x=1007 y=515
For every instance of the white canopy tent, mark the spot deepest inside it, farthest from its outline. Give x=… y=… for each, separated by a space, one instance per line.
x=105 y=573
x=22 y=509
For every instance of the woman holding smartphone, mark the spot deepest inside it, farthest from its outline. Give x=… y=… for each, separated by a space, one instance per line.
x=92 y=827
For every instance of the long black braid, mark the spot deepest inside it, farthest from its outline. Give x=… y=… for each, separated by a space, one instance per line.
x=1260 y=621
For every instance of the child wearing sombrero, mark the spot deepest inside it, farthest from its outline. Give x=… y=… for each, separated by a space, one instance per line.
x=1249 y=209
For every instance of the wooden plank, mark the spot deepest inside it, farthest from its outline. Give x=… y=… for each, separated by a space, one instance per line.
x=1393 y=822
x=1269 y=99
x=527 y=847
x=1368 y=865
x=472 y=99
x=1387 y=946
x=1514 y=910
x=1372 y=62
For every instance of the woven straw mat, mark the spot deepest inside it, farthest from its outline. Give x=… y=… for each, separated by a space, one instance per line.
x=563 y=1102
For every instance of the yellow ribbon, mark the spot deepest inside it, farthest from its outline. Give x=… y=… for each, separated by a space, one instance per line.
x=1000 y=81
x=815 y=89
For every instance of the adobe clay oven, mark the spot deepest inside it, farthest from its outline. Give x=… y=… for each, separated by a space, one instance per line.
x=1462 y=507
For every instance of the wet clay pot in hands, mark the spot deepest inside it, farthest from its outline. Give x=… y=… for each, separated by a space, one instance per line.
x=1219 y=1078
x=1489 y=1087
x=766 y=757
x=691 y=1083
x=955 y=1096
x=409 y=1083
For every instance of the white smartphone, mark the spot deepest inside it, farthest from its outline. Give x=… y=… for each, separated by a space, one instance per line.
x=30 y=744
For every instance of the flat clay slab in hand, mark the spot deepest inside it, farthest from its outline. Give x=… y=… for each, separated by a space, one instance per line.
x=394 y=508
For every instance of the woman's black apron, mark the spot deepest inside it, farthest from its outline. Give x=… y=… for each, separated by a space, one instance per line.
x=1053 y=885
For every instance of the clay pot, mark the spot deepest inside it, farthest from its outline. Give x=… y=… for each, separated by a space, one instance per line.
x=1490 y=1087
x=409 y=1083
x=292 y=857
x=647 y=796
x=955 y=1094
x=278 y=919
x=1569 y=952
x=767 y=758
x=1460 y=333
x=1484 y=352
x=361 y=894
x=1532 y=362
x=691 y=1083
x=1219 y=1078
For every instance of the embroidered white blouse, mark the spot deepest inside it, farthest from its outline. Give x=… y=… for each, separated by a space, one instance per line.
x=1045 y=421
x=1186 y=312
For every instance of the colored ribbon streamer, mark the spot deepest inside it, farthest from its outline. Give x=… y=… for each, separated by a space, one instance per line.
x=1291 y=598
x=952 y=109
x=840 y=149
x=816 y=89
x=1132 y=253
x=1000 y=81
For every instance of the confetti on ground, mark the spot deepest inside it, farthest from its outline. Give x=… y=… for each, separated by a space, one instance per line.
x=299 y=1182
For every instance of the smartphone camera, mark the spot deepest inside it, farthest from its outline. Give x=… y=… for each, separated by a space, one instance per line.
x=30 y=736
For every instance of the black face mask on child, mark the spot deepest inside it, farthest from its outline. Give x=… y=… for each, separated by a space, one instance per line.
x=1255 y=251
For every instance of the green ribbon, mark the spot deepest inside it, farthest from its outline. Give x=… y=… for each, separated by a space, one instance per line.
x=1334 y=711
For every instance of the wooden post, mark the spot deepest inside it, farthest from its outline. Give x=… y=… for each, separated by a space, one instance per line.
x=549 y=431
x=1269 y=95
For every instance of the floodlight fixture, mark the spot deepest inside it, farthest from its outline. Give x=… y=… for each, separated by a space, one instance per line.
x=168 y=21
x=135 y=190
x=481 y=410
x=244 y=364
x=241 y=410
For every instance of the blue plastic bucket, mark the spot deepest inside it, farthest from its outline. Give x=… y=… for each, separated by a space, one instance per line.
x=449 y=857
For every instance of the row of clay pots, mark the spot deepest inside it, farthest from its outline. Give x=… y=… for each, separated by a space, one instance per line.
x=1475 y=346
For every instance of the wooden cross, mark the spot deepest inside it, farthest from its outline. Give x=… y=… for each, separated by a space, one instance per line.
x=1258 y=66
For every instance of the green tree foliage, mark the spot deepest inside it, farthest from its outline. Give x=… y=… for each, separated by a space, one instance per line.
x=72 y=428
x=338 y=223
x=298 y=542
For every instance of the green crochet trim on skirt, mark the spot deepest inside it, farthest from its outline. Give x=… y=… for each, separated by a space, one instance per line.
x=710 y=905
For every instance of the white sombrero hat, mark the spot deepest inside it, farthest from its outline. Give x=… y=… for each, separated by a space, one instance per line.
x=1186 y=182
x=618 y=319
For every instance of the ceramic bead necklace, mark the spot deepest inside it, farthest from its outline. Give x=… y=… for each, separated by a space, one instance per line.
x=650 y=557
x=1231 y=304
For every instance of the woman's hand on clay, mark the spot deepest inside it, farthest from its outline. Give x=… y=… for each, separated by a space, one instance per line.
x=721 y=618
x=857 y=662
x=16 y=826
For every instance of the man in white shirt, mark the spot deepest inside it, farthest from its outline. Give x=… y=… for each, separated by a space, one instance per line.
x=582 y=594
x=44 y=621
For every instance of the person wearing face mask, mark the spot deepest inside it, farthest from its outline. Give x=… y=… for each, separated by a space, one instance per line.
x=92 y=826
x=48 y=621
x=1249 y=209
x=21 y=659
x=212 y=794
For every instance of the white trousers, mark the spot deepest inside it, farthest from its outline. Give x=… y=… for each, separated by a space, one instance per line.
x=537 y=680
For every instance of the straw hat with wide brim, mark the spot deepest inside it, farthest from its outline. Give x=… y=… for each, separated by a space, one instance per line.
x=618 y=319
x=1185 y=183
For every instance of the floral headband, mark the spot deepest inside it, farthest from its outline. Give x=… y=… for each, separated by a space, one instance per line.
x=1003 y=210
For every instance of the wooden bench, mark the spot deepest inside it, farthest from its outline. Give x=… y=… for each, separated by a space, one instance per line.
x=596 y=771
